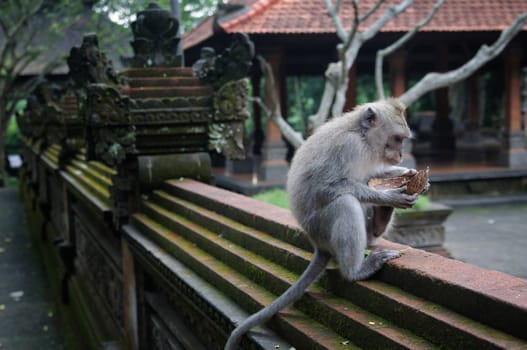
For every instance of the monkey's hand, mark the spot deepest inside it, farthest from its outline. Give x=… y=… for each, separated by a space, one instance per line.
x=396 y=171
x=397 y=198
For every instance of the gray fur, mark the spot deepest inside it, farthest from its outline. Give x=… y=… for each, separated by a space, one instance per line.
x=330 y=199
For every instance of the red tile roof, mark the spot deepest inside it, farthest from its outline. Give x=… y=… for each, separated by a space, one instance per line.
x=310 y=17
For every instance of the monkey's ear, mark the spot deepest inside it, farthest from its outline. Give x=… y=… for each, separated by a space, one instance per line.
x=368 y=119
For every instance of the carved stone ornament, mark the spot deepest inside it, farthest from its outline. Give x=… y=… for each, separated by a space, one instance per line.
x=112 y=144
x=232 y=64
x=226 y=133
x=156 y=38
x=41 y=110
x=87 y=64
x=105 y=106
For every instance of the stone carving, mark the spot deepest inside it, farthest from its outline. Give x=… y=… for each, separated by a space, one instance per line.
x=42 y=110
x=106 y=106
x=102 y=279
x=87 y=64
x=156 y=38
x=230 y=111
x=184 y=300
x=112 y=144
x=233 y=64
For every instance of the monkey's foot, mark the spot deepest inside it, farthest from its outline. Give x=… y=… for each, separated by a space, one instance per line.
x=385 y=255
x=373 y=263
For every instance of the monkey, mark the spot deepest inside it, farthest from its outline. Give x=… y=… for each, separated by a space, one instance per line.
x=329 y=197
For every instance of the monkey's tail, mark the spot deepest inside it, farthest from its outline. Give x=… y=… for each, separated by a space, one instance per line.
x=292 y=294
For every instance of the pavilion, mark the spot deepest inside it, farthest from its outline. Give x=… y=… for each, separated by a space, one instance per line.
x=297 y=37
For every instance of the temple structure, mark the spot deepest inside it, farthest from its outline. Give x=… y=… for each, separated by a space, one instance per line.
x=482 y=123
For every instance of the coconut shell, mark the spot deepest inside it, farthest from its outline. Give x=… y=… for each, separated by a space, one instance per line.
x=415 y=183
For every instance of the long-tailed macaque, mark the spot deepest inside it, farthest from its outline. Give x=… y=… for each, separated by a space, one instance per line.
x=329 y=196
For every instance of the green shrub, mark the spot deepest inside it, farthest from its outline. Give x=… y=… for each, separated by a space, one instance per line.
x=277 y=197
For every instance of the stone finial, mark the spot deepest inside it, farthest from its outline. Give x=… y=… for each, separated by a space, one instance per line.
x=87 y=64
x=156 y=38
x=232 y=64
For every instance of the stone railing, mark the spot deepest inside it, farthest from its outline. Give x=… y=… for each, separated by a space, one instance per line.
x=143 y=253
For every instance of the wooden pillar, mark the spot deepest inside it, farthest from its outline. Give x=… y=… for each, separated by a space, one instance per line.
x=512 y=121
x=472 y=121
x=272 y=165
x=351 y=92
x=397 y=71
x=442 y=139
x=442 y=94
x=397 y=66
x=514 y=153
x=276 y=61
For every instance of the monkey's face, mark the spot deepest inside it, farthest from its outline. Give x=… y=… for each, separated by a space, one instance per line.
x=393 y=148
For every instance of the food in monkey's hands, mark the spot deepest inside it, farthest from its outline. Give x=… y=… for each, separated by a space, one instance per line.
x=415 y=183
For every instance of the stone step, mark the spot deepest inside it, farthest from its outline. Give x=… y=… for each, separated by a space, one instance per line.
x=462 y=288
x=267 y=246
x=88 y=184
x=166 y=92
x=273 y=220
x=298 y=330
x=159 y=72
x=93 y=173
x=455 y=314
x=433 y=325
x=350 y=321
x=162 y=81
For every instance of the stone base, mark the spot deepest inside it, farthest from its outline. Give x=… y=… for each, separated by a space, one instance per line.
x=514 y=153
x=421 y=228
x=272 y=165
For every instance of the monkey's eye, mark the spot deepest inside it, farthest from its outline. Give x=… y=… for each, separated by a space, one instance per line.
x=398 y=138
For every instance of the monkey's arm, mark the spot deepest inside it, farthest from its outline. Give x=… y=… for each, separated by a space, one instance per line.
x=396 y=197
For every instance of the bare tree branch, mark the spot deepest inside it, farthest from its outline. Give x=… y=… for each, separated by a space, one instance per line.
x=389 y=14
x=371 y=11
x=353 y=30
x=333 y=13
x=353 y=50
x=274 y=111
x=328 y=95
x=433 y=81
x=399 y=43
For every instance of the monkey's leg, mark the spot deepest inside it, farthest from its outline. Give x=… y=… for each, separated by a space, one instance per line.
x=349 y=241
x=381 y=218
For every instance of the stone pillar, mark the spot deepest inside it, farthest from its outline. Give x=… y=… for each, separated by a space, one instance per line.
x=351 y=92
x=514 y=153
x=443 y=139
x=273 y=166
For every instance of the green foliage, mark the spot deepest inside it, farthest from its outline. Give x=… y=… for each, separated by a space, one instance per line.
x=123 y=12
x=303 y=98
x=277 y=197
x=423 y=202
x=13 y=133
x=366 y=90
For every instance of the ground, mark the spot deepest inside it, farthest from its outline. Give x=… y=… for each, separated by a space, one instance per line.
x=27 y=315
x=490 y=237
